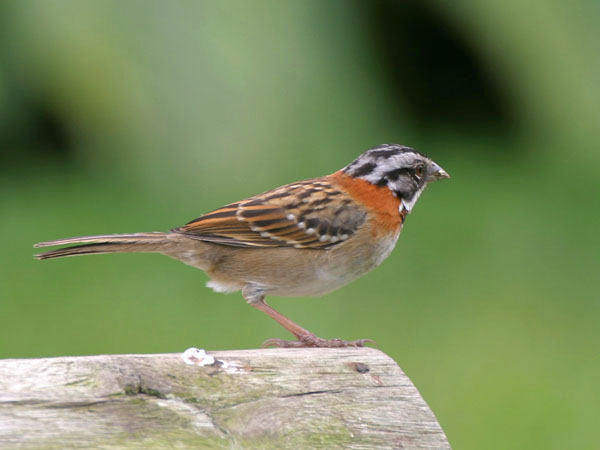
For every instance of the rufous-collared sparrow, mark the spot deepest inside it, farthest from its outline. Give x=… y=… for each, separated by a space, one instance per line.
x=304 y=238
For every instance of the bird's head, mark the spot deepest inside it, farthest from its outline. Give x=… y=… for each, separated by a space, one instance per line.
x=403 y=170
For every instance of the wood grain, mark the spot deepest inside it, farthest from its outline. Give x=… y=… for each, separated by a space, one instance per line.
x=272 y=398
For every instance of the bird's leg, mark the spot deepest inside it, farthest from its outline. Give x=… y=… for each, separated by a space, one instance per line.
x=256 y=298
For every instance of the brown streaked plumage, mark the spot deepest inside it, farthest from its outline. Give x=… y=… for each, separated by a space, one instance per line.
x=304 y=238
x=309 y=214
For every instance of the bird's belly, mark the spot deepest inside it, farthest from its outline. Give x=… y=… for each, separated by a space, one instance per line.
x=335 y=268
x=292 y=272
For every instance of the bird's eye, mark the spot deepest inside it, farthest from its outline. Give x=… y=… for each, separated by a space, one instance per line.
x=420 y=170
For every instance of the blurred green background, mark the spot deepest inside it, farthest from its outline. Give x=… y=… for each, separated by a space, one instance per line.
x=140 y=116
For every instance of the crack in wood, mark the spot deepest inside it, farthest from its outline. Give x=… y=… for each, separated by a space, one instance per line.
x=302 y=394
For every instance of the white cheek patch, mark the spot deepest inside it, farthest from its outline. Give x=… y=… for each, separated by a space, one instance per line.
x=408 y=204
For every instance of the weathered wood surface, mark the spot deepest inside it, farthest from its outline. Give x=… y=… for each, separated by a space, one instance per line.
x=273 y=398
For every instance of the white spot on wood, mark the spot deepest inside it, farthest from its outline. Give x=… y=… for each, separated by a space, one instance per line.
x=197 y=357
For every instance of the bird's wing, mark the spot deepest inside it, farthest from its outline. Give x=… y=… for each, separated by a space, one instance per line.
x=307 y=214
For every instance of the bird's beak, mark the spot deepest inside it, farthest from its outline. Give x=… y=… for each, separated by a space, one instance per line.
x=435 y=172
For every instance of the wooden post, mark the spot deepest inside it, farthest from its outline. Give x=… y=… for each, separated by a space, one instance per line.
x=272 y=398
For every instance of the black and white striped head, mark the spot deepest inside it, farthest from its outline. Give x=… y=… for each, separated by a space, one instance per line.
x=403 y=170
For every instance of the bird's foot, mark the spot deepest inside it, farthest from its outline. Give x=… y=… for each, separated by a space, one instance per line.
x=310 y=340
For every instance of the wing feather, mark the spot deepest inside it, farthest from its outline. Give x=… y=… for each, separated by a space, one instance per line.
x=307 y=214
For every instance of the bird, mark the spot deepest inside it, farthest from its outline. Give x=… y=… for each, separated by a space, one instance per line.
x=306 y=238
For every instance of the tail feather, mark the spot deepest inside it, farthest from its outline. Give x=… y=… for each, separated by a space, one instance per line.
x=110 y=243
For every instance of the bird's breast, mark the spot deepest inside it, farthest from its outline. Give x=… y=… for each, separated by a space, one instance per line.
x=381 y=203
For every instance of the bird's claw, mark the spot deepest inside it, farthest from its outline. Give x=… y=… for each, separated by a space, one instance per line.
x=311 y=340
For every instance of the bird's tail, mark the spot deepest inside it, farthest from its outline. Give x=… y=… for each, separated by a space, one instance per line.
x=109 y=243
